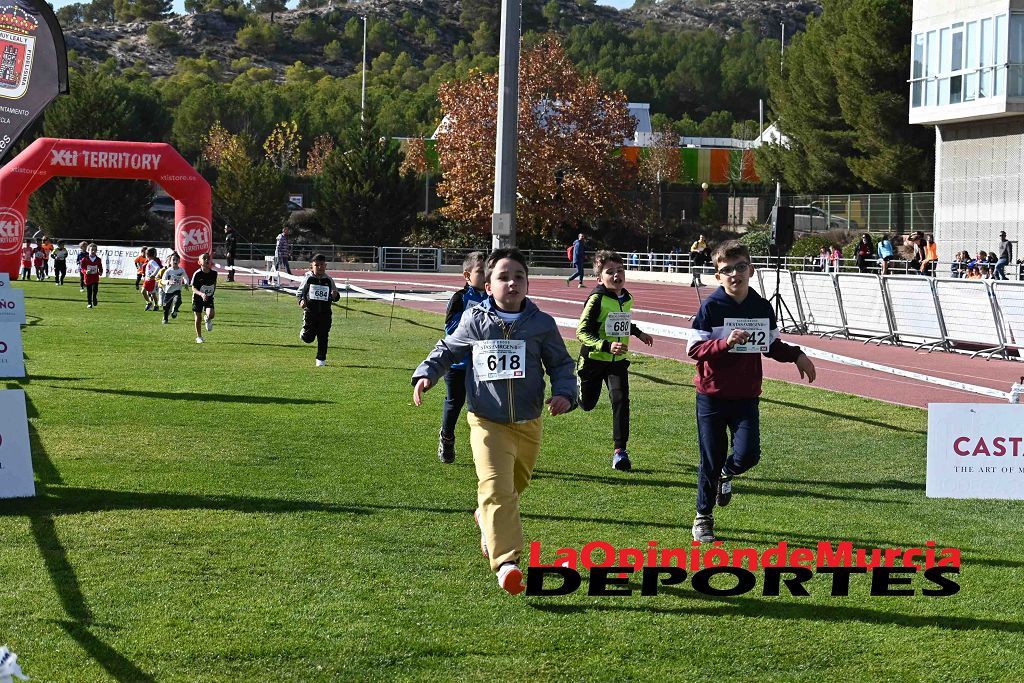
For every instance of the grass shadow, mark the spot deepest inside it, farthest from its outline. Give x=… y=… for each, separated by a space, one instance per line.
x=192 y=396
x=844 y=416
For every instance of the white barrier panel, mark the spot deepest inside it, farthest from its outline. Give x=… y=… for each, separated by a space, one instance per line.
x=975 y=450
x=820 y=302
x=16 y=480
x=12 y=358
x=118 y=262
x=12 y=305
x=914 y=311
x=5 y=279
x=786 y=291
x=864 y=304
x=1010 y=302
x=967 y=312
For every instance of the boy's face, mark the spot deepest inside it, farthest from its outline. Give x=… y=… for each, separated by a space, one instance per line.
x=508 y=284
x=475 y=276
x=613 y=276
x=175 y=261
x=92 y=251
x=204 y=261
x=734 y=274
x=319 y=268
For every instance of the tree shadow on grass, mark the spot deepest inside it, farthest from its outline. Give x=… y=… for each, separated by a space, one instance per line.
x=844 y=416
x=660 y=380
x=192 y=396
x=787 y=611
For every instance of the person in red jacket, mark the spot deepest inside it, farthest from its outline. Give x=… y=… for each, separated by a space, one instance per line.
x=733 y=328
x=92 y=269
x=26 y=261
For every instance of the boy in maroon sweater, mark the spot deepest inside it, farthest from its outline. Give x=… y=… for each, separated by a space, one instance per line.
x=734 y=326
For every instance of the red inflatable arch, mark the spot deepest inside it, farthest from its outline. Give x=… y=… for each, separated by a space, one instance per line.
x=49 y=158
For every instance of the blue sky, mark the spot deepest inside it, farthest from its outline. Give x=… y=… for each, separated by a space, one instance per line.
x=179 y=5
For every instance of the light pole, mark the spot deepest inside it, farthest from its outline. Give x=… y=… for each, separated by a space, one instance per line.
x=362 y=99
x=503 y=220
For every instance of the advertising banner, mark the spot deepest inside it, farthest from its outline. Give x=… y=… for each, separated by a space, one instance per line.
x=12 y=305
x=12 y=359
x=33 y=65
x=16 y=479
x=118 y=262
x=975 y=450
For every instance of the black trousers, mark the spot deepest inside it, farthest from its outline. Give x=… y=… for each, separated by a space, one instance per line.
x=231 y=267
x=455 y=398
x=60 y=270
x=172 y=300
x=91 y=291
x=316 y=325
x=594 y=375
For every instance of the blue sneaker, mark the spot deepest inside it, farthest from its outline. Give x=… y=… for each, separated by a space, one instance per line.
x=620 y=460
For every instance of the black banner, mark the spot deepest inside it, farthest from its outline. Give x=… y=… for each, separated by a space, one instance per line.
x=33 y=65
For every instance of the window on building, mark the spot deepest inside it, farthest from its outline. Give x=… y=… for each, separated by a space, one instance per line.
x=1015 y=70
x=971 y=62
x=986 y=58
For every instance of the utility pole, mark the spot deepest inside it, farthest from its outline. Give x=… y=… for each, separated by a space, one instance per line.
x=503 y=220
x=362 y=99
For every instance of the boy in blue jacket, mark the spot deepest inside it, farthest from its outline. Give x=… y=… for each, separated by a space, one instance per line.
x=512 y=344
x=455 y=379
x=734 y=326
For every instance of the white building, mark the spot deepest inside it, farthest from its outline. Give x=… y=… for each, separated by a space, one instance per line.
x=967 y=80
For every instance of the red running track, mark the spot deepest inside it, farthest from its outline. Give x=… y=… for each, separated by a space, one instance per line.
x=669 y=304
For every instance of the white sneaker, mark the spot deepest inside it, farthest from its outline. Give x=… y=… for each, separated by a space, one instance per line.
x=165 y=321
x=510 y=578
x=321 y=363
x=209 y=325
x=199 y=340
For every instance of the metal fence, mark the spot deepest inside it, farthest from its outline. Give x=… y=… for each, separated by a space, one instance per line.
x=876 y=213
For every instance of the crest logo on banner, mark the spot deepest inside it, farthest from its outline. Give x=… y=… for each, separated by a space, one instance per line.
x=17 y=49
x=12 y=227
x=194 y=237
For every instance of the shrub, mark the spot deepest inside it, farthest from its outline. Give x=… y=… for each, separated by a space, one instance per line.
x=757 y=241
x=162 y=37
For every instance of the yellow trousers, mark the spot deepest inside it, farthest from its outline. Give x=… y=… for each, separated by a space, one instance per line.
x=504 y=456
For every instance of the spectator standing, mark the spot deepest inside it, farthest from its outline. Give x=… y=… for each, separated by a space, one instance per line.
x=230 y=246
x=823 y=259
x=283 y=252
x=836 y=258
x=698 y=252
x=865 y=250
x=1005 y=256
x=931 y=257
x=579 y=260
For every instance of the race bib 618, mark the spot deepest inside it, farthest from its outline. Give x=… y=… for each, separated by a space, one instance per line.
x=496 y=359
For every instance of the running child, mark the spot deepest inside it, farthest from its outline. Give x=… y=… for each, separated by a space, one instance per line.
x=150 y=271
x=604 y=330
x=160 y=293
x=92 y=269
x=39 y=262
x=173 y=279
x=140 y=266
x=47 y=248
x=83 y=251
x=315 y=295
x=455 y=379
x=26 y=261
x=512 y=344
x=204 y=284
x=60 y=264
x=734 y=326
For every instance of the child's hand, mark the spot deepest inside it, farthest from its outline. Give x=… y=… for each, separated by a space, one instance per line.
x=806 y=368
x=737 y=337
x=646 y=338
x=422 y=387
x=302 y=303
x=618 y=348
x=558 y=405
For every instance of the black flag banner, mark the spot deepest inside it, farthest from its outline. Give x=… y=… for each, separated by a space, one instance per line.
x=33 y=65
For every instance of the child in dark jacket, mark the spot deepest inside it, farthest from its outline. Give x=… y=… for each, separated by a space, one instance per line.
x=604 y=330
x=733 y=327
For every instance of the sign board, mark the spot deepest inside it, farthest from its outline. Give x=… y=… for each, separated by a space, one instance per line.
x=118 y=262
x=12 y=305
x=975 y=450
x=16 y=479
x=5 y=279
x=12 y=359
x=297 y=198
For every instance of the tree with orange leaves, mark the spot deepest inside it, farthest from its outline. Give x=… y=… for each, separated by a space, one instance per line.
x=570 y=131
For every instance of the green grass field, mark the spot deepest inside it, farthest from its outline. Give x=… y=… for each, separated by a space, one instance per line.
x=228 y=512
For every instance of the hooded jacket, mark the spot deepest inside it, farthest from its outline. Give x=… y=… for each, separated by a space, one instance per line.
x=506 y=400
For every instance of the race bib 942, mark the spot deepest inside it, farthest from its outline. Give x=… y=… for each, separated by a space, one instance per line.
x=495 y=359
x=759 y=330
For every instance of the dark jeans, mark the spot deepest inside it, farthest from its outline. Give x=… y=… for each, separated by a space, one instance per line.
x=138 y=280
x=231 y=267
x=455 y=382
x=60 y=270
x=171 y=300
x=595 y=375
x=1000 y=272
x=717 y=418
x=316 y=326
x=578 y=273
x=282 y=262
x=91 y=291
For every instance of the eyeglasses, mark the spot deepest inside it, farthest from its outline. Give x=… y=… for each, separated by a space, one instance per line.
x=740 y=268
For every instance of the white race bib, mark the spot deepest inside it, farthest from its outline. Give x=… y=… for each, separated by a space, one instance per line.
x=92 y=270
x=495 y=359
x=617 y=324
x=208 y=289
x=759 y=330
x=319 y=293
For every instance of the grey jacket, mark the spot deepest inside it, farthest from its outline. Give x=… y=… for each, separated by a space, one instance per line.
x=506 y=400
